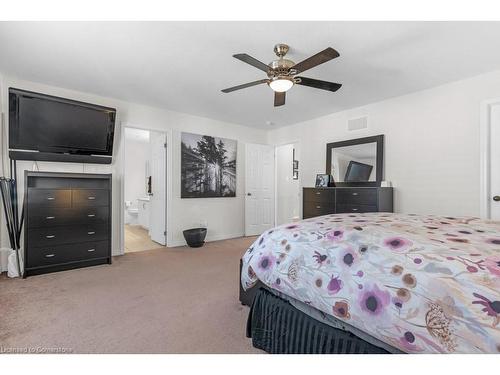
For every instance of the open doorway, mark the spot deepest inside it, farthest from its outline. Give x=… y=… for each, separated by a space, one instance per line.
x=144 y=189
x=288 y=200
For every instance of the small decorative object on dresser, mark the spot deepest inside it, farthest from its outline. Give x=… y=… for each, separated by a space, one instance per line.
x=68 y=221
x=322 y=180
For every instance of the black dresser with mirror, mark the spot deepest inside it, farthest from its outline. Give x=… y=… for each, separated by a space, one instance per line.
x=68 y=221
x=356 y=166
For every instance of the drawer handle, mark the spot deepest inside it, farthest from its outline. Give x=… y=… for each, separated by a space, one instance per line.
x=354 y=209
x=50 y=198
x=91 y=250
x=318 y=193
x=50 y=236
x=318 y=206
x=50 y=255
x=354 y=193
x=90 y=215
x=50 y=217
x=91 y=198
x=90 y=233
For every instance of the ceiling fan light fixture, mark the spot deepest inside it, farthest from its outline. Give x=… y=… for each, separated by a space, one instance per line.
x=281 y=84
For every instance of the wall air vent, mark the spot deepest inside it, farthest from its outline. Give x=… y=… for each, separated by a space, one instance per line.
x=357 y=123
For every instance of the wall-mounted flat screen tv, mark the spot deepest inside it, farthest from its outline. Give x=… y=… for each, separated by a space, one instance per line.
x=56 y=125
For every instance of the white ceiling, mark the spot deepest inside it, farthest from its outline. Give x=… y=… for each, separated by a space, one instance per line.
x=182 y=66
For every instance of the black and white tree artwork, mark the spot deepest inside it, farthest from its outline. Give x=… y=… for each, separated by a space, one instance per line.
x=208 y=166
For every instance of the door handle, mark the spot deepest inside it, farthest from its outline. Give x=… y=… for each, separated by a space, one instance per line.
x=50 y=236
x=50 y=255
x=90 y=233
x=496 y=198
x=50 y=198
x=249 y=194
x=91 y=198
x=50 y=217
x=90 y=215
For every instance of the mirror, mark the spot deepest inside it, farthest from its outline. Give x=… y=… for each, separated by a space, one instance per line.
x=356 y=162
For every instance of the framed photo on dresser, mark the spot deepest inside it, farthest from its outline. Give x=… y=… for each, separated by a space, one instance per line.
x=323 y=180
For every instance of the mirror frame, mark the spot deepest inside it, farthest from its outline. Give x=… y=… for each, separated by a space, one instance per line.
x=379 y=139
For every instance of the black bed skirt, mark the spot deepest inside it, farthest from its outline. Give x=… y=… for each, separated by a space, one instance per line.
x=277 y=327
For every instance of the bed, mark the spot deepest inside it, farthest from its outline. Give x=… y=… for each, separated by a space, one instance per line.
x=407 y=283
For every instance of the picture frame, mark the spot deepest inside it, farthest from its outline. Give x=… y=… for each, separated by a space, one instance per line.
x=323 y=180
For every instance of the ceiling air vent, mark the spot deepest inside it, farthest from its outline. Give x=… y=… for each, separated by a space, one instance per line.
x=357 y=123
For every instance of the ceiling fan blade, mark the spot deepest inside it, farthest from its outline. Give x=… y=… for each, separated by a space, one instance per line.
x=245 y=85
x=252 y=61
x=279 y=99
x=317 y=59
x=317 y=84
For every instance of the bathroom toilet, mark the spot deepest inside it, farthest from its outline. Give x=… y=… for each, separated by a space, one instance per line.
x=133 y=213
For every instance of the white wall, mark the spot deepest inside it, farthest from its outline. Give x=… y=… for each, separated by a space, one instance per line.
x=224 y=216
x=288 y=190
x=431 y=144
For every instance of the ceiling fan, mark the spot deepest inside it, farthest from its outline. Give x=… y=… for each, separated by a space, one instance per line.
x=282 y=72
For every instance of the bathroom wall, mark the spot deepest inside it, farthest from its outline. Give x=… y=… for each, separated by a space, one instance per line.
x=137 y=157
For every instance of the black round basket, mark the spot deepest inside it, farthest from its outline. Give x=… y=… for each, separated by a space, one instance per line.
x=195 y=237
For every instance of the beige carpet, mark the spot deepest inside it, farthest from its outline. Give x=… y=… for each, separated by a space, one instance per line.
x=169 y=300
x=137 y=239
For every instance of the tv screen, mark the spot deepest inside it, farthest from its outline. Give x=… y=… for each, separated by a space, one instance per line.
x=51 y=124
x=357 y=172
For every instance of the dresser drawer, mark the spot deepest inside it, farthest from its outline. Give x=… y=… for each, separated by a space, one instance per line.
x=41 y=217
x=44 y=217
x=67 y=234
x=355 y=208
x=49 y=255
x=357 y=196
x=317 y=209
x=90 y=197
x=91 y=215
x=319 y=195
x=49 y=197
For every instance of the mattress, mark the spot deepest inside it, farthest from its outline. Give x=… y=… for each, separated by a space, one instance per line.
x=421 y=284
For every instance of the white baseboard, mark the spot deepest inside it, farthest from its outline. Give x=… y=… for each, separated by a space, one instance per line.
x=178 y=243
x=220 y=237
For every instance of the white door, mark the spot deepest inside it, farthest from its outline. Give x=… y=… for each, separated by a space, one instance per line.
x=158 y=205
x=259 y=188
x=494 y=198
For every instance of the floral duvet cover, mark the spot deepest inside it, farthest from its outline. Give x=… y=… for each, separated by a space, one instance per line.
x=423 y=284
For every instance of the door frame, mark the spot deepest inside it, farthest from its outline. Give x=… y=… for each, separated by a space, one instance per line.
x=168 y=185
x=276 y=145
x=485 y=152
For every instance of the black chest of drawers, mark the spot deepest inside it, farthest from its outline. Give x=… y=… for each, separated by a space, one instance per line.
x=68 y=221
x=324 y=201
